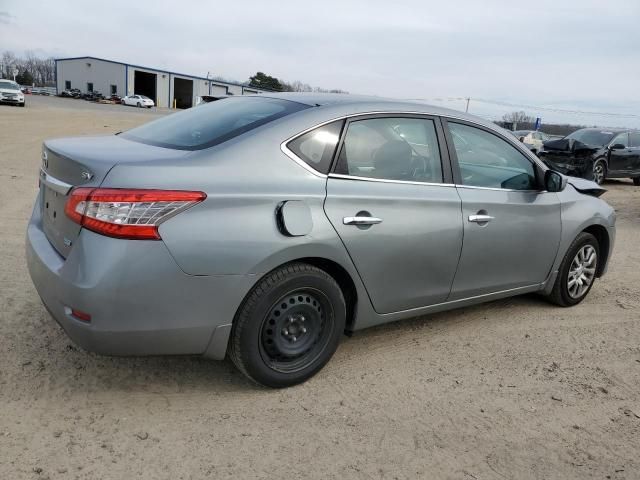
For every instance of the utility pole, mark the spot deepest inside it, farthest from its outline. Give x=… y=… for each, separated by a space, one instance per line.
x=467 y=109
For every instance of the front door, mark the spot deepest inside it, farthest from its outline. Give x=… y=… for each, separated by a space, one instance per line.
x=622 y=157
x=397 y=218
x=511 y=228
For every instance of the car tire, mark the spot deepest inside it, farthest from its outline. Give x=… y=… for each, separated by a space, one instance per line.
x=599 y=171
x=22 y=104
x=139 y=105
x=577 y=272
x=288 y=326
x=122 y=102
x=636 y=181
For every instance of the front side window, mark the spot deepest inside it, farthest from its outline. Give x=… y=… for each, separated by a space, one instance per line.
x=317 y=147
x=213 y=123
x=392 y=149
x=622 y=139
x=486 y=160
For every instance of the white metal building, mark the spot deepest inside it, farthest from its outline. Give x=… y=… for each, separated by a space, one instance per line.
x=165 y=88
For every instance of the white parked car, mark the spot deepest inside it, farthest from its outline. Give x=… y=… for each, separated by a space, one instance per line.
x=10 y=92
x=532 y=137
x=138 y=101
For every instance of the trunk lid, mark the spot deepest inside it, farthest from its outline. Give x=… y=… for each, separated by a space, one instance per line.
x=83 y=161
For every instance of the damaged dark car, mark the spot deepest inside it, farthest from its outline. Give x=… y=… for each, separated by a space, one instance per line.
x=596 y=154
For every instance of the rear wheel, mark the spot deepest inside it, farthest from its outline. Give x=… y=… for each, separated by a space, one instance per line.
x=139 y=105
x=636 y=181
x=599 y=171
x=577 y=271
x=289 y=326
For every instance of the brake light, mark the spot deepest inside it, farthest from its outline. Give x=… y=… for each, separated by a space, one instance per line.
x=125 y=213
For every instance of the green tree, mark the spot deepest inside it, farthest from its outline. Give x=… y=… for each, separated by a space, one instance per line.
x=24 y=78
x=262 y=80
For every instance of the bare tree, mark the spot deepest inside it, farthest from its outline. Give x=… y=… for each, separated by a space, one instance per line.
x=42 y=70
x=517 y=118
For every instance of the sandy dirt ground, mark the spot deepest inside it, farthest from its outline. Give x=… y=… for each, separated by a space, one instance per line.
x=513 y=389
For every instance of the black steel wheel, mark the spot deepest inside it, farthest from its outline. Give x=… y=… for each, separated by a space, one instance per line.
x=296 y=330
x=289 y=326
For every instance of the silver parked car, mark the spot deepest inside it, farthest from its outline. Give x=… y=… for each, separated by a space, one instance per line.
x=267 y=226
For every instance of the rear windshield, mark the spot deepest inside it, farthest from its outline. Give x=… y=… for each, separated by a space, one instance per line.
x=213 y=123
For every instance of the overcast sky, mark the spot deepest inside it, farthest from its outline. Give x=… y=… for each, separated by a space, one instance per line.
x=563 y=54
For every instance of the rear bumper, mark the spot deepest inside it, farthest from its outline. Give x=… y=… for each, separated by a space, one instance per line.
x=139 y=300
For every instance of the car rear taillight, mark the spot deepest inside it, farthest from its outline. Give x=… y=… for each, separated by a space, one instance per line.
x=125 y=213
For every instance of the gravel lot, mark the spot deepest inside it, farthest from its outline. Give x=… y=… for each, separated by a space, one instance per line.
x=512 y=389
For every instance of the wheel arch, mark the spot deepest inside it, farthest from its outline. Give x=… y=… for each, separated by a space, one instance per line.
x=604 y=244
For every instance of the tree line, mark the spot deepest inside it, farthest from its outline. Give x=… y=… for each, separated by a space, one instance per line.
x=32 y=70
x=267 y=82
x=522 y=121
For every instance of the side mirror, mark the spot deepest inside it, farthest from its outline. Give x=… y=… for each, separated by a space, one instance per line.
x=617 y=146
x=554 y=181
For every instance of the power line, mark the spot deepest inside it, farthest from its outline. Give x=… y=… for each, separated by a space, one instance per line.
x=534 y=107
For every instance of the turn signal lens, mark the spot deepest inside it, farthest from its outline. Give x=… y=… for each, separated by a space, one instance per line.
x=130 y=214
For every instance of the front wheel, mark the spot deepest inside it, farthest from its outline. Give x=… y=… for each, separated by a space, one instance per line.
x=599 y=171
x=577 y=271
x=636 y=181
x=289 y=326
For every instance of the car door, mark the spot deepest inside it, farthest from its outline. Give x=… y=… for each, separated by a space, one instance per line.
x=511 y=228
x=634 y=145
x=391 y=200
x=621 y=156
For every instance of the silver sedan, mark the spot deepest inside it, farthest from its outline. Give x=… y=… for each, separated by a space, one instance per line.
x=264 y=227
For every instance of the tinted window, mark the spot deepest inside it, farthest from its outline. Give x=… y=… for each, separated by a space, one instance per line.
x=393 y=149
x=317 y=147
x=213 y=123
x=622 y=139
x=486 y=160
x=634 y=139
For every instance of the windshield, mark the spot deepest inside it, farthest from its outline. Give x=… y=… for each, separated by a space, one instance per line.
x=596 y=138
x=213 y=123
x=9 y=86
x=522 y=133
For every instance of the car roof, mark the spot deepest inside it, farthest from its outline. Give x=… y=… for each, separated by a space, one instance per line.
x=366 y=103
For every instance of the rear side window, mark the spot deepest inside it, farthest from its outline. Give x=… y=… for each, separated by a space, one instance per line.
x=391 y=149
x=317 y=147
x=213 y=123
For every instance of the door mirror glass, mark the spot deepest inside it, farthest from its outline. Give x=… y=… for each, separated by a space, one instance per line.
x=617 y=146
x=554 y=181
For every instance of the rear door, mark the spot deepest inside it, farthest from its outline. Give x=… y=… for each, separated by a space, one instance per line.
x=391 y=200
x=511 y=228
x=634 y=145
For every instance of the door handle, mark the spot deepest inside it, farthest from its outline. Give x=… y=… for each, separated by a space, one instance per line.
x=480 y=218
x=361 y=220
